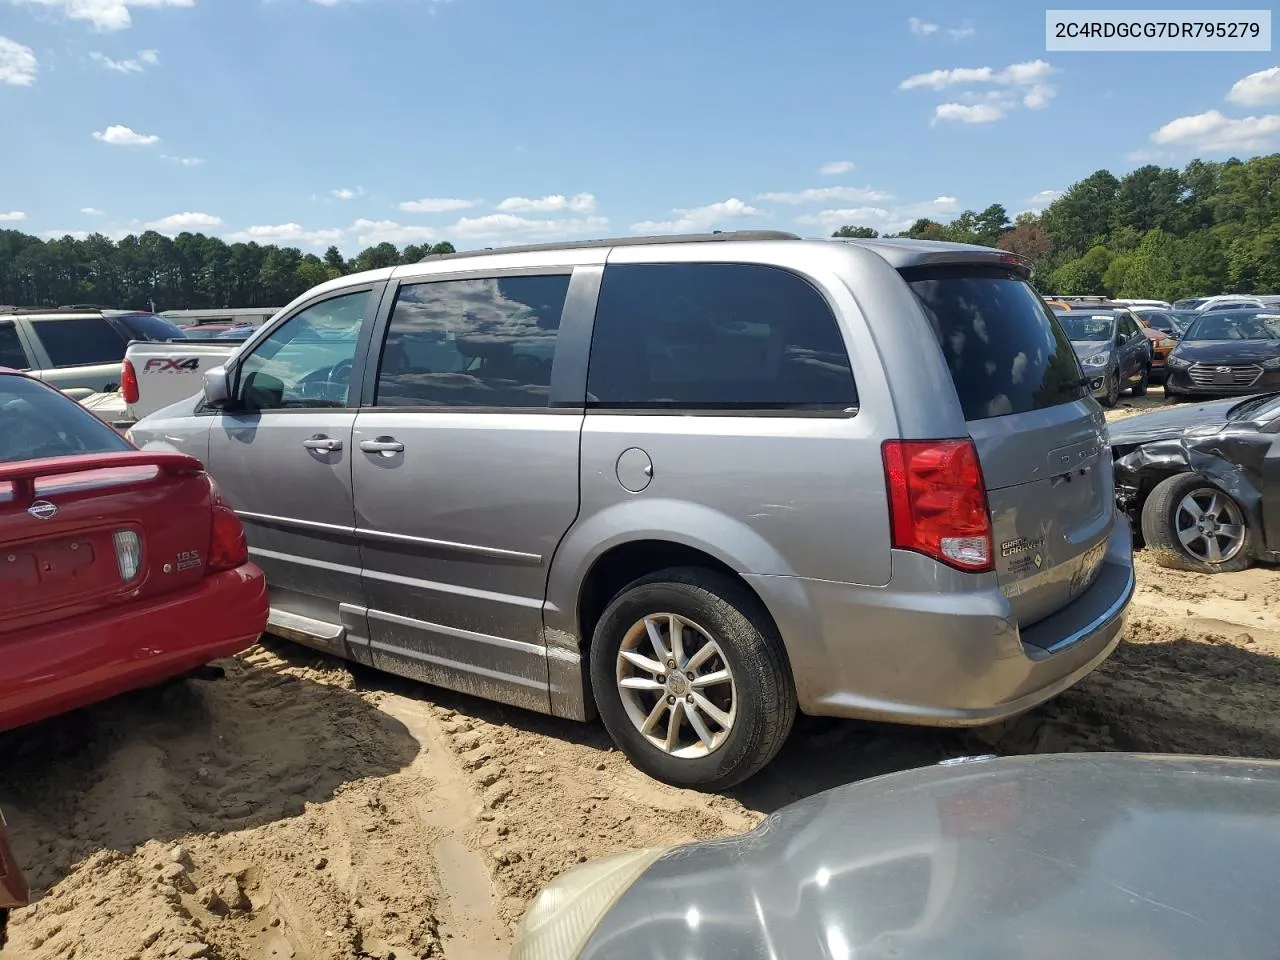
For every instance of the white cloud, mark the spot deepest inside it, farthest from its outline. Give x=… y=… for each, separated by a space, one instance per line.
x=827 y=195
x=59 y=234
x=921 y=28
x=119 y=135
x=13 y=216
x=286 y=233
x=500 y=225
x=346 y=193
x=144 y=59
x=1024 y=83
x=91 y=211
x=437 y=205
x=968 y=112
x=961 y=33
x=698 y=219
x=104 y=14
x=18 y=64
x=1018 y=74
x=182 y=161
x=1045 y=196
x=578 y=203
x=1212 y=131
x=177 y=222
x=833 y=168
x=886 y=220
x=372 y=232
x=1257 y=89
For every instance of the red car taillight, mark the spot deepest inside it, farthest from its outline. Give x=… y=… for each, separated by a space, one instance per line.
x=129 y=383
x=938 y=502
x=227 y=546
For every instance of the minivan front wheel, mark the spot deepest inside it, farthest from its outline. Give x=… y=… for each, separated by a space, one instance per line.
x=691 y=680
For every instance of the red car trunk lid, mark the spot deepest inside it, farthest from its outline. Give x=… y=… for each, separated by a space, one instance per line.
x=81 y=533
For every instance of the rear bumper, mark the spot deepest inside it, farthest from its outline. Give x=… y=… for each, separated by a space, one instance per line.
x=939 y=652
x=72 y=663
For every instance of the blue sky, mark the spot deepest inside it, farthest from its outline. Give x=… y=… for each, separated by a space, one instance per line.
x=484 y=122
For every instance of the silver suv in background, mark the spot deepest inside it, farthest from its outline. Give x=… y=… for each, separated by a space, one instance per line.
x=690 y=483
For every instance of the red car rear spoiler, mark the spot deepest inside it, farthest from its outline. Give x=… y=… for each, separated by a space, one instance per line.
x=24 y=474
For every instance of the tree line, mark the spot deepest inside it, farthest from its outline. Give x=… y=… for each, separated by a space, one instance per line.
x=186 y=272
x=1156 y=232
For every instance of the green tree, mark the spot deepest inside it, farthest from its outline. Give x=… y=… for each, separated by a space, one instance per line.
x=1084 y=213
x=856 y=233
x=1084 y=276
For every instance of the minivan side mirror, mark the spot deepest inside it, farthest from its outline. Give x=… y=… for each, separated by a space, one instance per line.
x=217 y=391
x=1120 y=339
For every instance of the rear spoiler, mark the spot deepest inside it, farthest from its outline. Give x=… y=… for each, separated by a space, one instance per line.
x=23 y=475
x=1019 y=265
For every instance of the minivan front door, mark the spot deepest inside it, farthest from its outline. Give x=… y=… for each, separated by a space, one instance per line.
x=281 y=454
x=466 y=478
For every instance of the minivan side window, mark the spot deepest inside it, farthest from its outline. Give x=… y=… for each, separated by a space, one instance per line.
x=79 y=341
x=716 y=336
x=483 y=342
x=11 y=352
x=306 y=361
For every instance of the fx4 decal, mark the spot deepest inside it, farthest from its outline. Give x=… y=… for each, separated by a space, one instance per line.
x=172 y=365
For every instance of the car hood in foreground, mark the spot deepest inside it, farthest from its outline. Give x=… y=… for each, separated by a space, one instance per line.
x=1227 y=351
x=1171 y=422
x=1080 y=855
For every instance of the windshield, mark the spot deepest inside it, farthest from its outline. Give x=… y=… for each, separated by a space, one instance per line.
x=1159 y=320
x=1189 y=304
x=148 y=326
x=1244 y=325
x=38 y=422
x=1263 y=407
x=1005 y=352
x=1086 y=329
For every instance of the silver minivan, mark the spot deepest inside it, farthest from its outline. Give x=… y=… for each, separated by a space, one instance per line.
x=689 y=484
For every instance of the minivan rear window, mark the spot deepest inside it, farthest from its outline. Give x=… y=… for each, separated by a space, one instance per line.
x=1006 y=351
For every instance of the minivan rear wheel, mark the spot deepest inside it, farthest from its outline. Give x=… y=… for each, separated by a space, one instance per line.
x=691 y=680
x=1190 y=524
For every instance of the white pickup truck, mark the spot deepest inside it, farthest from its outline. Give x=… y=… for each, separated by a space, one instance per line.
x=158 y=374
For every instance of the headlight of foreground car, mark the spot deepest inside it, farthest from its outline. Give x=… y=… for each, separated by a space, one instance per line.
x=1097 y=360
x=1272 y=364
x=1176 y=361
x=1166 y=343
x=564 y=915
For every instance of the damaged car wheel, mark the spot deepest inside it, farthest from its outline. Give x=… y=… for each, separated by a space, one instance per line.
x=1189 y=524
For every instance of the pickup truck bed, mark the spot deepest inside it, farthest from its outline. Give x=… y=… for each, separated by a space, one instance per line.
x=157 y=374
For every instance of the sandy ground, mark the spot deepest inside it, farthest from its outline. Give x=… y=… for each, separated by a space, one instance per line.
x=301 y=808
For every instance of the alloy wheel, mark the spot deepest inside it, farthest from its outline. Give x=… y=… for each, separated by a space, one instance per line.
x=676 y=685
x=1209 y=525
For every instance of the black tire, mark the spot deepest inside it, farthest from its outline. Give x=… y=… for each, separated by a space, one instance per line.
x=764 y=690
x=1140 y=388
x=1112 y=396
x=1160 y=531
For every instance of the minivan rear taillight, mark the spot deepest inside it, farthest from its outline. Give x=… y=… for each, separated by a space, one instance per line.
x=129 y=383
x=938 y=502
x=227 y=546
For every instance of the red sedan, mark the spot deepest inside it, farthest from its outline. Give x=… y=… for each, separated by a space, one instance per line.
x=118 y=568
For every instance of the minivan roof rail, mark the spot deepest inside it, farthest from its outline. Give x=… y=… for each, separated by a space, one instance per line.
x=621 y=242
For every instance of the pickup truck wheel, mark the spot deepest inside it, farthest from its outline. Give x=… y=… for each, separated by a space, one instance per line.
x=1190 y=524
x=691 y=680
x=1140 y=387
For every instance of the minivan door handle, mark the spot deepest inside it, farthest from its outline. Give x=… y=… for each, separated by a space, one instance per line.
x=386 y=445
x=322 y=443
